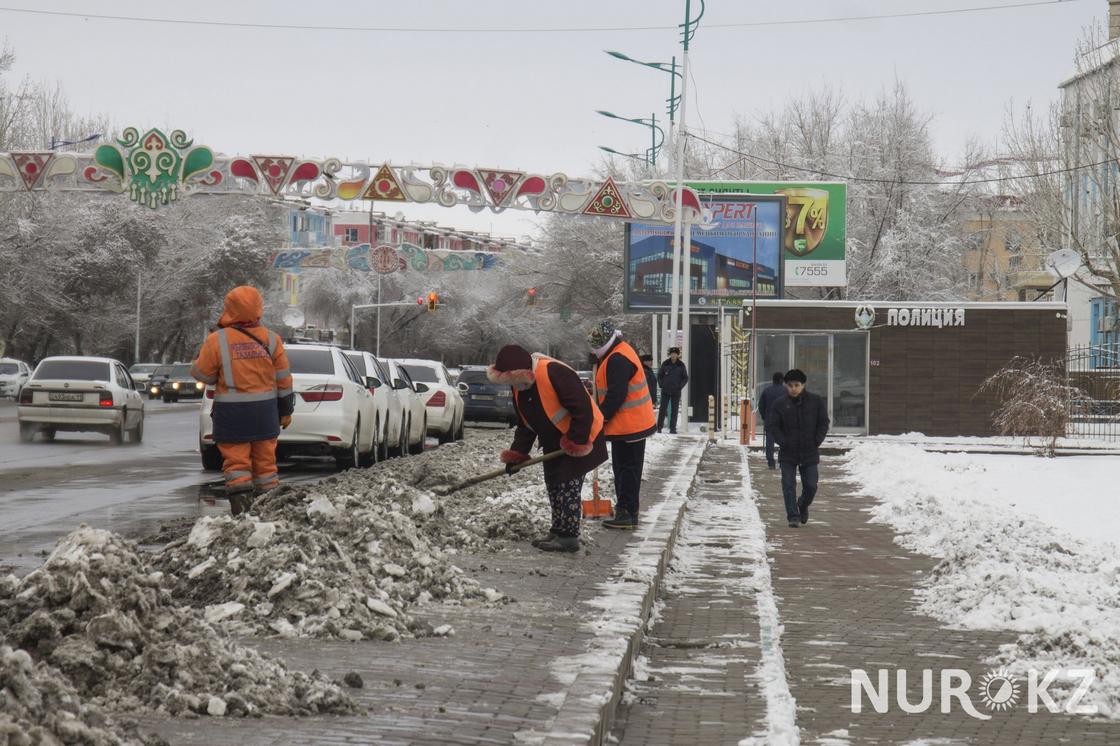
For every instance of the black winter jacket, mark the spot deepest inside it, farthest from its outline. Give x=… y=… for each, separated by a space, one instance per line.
x=770 y=394
x=798 y=426
x=534 y=425
x=672 y=376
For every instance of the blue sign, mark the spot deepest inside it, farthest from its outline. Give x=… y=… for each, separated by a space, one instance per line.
x=726 y=262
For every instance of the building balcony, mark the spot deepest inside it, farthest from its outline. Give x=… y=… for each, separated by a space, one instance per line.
x=1032 y=280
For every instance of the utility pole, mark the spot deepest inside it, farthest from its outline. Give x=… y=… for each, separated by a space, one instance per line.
x=139 y=285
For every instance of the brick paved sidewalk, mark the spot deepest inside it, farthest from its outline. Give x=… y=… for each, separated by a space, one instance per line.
x=846 y=600
x=495 y=681
x=695 y=679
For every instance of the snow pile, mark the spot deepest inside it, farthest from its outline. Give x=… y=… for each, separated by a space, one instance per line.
x=39 y=706
x=339 y=559
x=99 y=615
x=1002 y=568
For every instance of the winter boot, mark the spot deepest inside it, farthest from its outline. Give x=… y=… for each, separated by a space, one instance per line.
x=560 y=544
x=795 y=523
x=543 y=539
x=804 y=510
x=623 y=519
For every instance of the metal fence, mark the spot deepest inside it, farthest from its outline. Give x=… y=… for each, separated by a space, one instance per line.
x=1095 y=371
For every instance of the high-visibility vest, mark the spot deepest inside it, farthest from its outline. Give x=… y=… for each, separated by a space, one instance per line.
x=557 y=414
x=251 y=370
x=636 y=413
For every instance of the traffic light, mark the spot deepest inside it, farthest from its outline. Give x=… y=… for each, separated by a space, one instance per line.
x=433 y=301
x=532 y=297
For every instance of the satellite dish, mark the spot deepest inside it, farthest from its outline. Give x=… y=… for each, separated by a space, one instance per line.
x=1064 y=262
x=294 y=317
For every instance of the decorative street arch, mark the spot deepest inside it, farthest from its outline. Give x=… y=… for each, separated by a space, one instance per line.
x=156 y=169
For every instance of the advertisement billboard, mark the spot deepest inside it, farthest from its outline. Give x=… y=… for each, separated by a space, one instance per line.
x=814 y=230
x=723 y=270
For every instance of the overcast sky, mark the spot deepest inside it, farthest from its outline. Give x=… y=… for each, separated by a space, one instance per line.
x=519 y=99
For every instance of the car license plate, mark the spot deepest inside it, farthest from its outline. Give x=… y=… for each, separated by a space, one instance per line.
x=65 y=396
x=482 y=397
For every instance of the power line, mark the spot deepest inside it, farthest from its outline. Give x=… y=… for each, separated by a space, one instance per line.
x=849 y=177
x=523 y=30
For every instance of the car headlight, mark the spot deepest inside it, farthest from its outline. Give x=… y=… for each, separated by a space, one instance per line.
x=155 y=389
x=175 y=385
x=199 y=385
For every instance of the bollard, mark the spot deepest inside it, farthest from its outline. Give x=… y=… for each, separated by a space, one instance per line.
x=711 y=417
x=744 y=421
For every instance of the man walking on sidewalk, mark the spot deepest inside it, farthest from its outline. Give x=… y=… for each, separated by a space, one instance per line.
x=672 y=376
x=770 y=394
x=624 y=400
x=798 y=424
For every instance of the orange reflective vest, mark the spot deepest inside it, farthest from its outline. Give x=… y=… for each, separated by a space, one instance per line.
x=550 y=402
x=636 y=413
x=244 y=365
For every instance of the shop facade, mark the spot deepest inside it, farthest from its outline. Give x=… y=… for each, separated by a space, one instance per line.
x=891 y=368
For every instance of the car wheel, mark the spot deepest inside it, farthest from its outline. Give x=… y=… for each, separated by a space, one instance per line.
x=118 y=435
x=417 y=449
x=353 y=455
x=137 y=432
x=402 y=446
x=211 y=458
x=459 y=431
x=383 y=447
x=48 y=434
x=371 y=457
x=26 y=432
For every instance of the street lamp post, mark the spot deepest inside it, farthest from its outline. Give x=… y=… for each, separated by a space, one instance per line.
x=670 y=67
x=654 y=131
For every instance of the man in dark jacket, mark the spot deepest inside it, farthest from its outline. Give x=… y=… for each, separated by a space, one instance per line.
x=770 y=394
x=798 y=424
x=672 y=376
x=651 y=378
x=555 y=409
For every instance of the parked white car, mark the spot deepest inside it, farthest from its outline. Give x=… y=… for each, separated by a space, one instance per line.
x=394 y=438
x=335 y=413
x=444 y=402
x=90 y=394
x=413 y=398
x=14 y=375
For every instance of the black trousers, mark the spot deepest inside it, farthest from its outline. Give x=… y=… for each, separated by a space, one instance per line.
x=627 y=461
x=670 y=405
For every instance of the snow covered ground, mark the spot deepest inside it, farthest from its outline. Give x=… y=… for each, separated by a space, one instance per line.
x=1026 y=545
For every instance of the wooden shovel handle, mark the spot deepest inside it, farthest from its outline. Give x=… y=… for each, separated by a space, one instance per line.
x=501 y=472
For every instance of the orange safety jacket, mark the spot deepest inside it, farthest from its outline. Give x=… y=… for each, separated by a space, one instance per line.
x=635 y=416
x=557 y=414
x=249 y=370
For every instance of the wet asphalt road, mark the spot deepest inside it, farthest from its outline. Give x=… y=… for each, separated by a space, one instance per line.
x=47 y=489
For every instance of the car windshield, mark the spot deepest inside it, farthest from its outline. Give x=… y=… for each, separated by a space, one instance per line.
x=317 y=362
x=473 y=376
x=422 y=373
x=162 y=370
x=8 y=369
x=180 y=371
x=142 y=368
x=73 y=370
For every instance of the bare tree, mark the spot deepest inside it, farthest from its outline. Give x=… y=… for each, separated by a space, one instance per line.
x=1068 y=153
x=1033 y=401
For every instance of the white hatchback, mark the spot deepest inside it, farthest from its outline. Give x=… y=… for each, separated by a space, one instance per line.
x=90 y=394
x=444 y=402
x=335 y=414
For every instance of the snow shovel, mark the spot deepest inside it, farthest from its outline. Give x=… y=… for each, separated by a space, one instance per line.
x=447 y=490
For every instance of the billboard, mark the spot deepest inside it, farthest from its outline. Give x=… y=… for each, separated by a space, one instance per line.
x=723 y=270
x=814 y=231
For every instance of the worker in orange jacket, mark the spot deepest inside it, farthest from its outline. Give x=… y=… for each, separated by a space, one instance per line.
x=253 y=397
x=627 y=406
